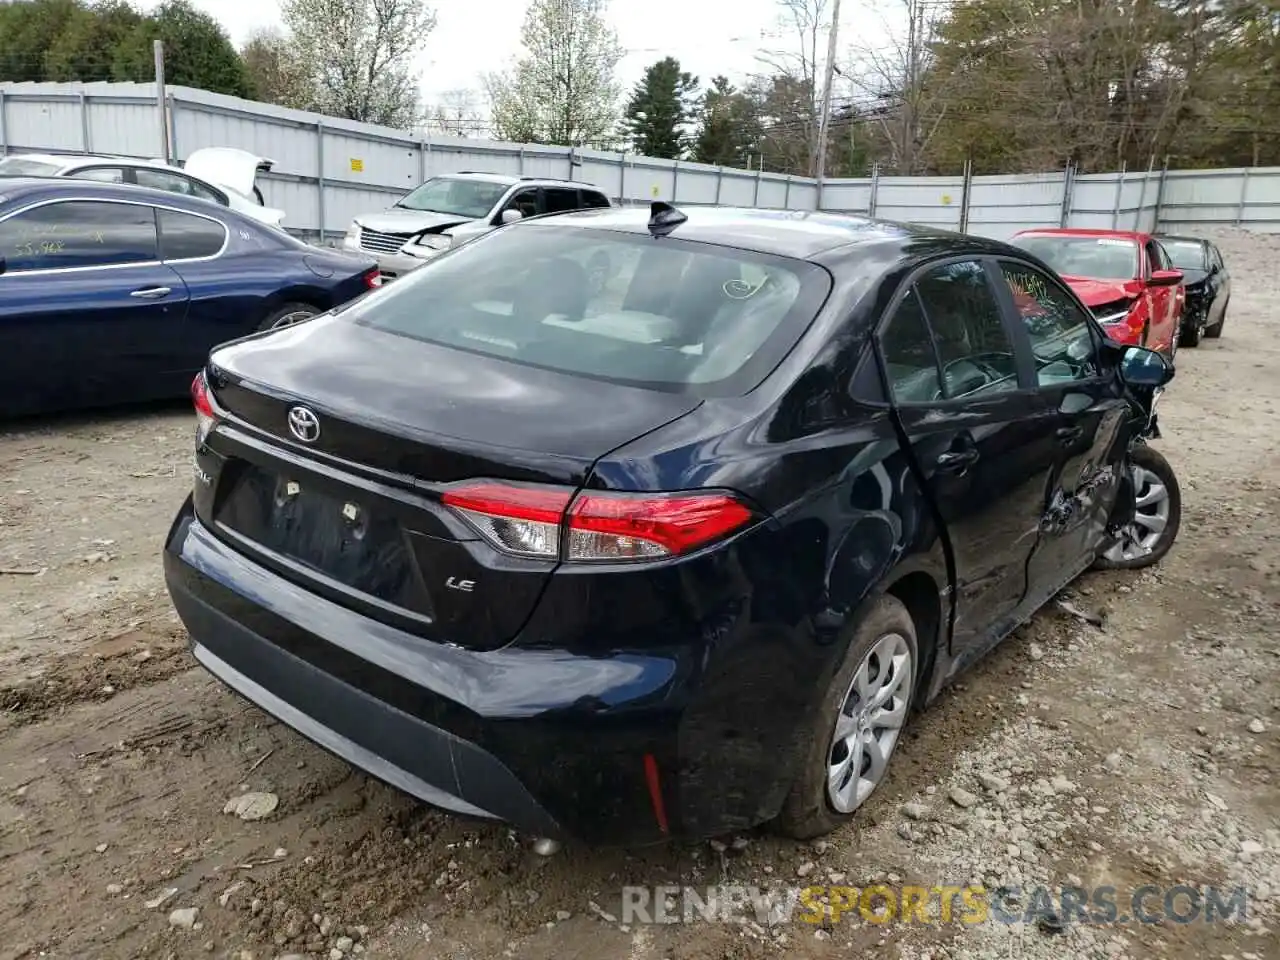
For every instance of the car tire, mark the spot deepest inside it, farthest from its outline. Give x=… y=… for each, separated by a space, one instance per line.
x=287 y=315
x=887 y=628
x=1135 y=548
x=1190 y=336
x=1214 y=332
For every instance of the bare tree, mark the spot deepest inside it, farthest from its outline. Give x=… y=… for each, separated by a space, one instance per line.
x=359 y=54
x=458 y=113
x=563 y=90
x=895 y=88
x=788 y=91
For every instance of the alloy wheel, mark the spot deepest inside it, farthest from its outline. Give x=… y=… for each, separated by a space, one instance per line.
x=870 y=719
x=1150 y=518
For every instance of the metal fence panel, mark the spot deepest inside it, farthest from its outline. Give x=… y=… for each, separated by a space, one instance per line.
x=330 y=169
x=848 y=196
x=1000 y=206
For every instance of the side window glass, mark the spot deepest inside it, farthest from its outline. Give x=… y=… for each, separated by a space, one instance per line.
x=974 y=351
x=1061 y=338
x=185 y=237
x=526 y=201
x=591 y=199
x=78 y=233
x=910 y=360
x=559 y=200
x=100 y=174
x=204 y=193
x=163 y=180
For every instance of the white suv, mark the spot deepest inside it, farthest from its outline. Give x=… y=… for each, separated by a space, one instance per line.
x=450 y=209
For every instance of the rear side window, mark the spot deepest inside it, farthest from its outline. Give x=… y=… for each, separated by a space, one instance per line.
x=18 y=167
x=910 y=360
x=662 y=313
x=591 y=199
x=100 y=174
x=187 y=237
x=974 y=349
x=78 y=233
x=559 y=200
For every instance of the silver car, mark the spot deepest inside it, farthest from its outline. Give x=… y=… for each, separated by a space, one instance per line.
x=449 y=210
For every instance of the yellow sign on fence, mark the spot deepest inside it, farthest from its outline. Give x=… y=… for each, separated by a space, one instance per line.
x=357 y=165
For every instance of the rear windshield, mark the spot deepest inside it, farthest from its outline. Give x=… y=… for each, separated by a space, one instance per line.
x=662 y=313
x=1097 y=258
x=18 y=167
x=1185 y=254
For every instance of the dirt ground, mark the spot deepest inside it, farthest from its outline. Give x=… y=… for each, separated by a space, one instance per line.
x=1141 y=752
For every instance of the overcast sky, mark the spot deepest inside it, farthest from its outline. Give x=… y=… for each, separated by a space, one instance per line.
x=473 y=37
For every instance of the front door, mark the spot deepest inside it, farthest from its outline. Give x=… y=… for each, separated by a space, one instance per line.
x=965 y=405
x=1086 y=426
x=88 y=312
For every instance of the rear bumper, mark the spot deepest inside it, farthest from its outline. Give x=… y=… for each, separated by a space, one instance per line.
x=615 y=746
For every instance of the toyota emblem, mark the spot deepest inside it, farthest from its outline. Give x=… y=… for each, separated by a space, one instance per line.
x=304 y=424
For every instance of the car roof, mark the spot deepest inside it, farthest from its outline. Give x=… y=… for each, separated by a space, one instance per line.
x=511 y=181
x=800 y=234
x=1085 y=232
x=1182 y=238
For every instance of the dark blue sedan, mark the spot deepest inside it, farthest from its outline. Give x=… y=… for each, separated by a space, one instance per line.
x=113 y=294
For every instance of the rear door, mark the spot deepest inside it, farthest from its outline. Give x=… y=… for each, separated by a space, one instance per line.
x=978 y=434
x=88 y=311
x=1086 y=417
x=193 y=246
x=1221 y=286
x=1165 y=301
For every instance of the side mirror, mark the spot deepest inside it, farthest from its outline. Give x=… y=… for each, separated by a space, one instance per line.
x=1140 y=367
x=511 y=216
x=1165 y=278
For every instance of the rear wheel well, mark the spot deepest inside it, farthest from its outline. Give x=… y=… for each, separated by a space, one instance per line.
x=919 y=594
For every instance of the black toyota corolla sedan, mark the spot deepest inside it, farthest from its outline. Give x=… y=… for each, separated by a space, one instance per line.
x=1208 y=284
x=670 y=550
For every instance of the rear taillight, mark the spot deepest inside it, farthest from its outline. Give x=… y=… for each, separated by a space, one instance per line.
x=372 y=278
x=550 y=523
x=206 y=414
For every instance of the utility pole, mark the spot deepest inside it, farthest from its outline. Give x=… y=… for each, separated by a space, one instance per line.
x=158 y=47
x=824 y=123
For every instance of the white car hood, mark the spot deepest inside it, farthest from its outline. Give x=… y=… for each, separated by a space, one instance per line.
x=228 y=167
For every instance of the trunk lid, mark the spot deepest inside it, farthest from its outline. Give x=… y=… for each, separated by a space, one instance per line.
x=347 y=501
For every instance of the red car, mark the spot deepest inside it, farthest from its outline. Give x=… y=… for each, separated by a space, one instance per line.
x=1124 y=276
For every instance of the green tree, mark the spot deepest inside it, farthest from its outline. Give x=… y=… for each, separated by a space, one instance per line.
x=197 y=51
x=86 y=47
x=28 y=28
x=358 y=56
x=563 y=89
x=728 y=129
x=660 y=109
x=274 y=71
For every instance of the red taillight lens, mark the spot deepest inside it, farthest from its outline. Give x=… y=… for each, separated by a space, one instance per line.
x=600 y=527
x=206 y=415
x=373 y=278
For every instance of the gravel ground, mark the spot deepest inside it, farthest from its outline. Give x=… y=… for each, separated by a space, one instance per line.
x=1140 y=752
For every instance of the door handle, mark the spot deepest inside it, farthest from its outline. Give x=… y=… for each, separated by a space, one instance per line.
x=151 y=293
x=957 y=461
x=1067 y=435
